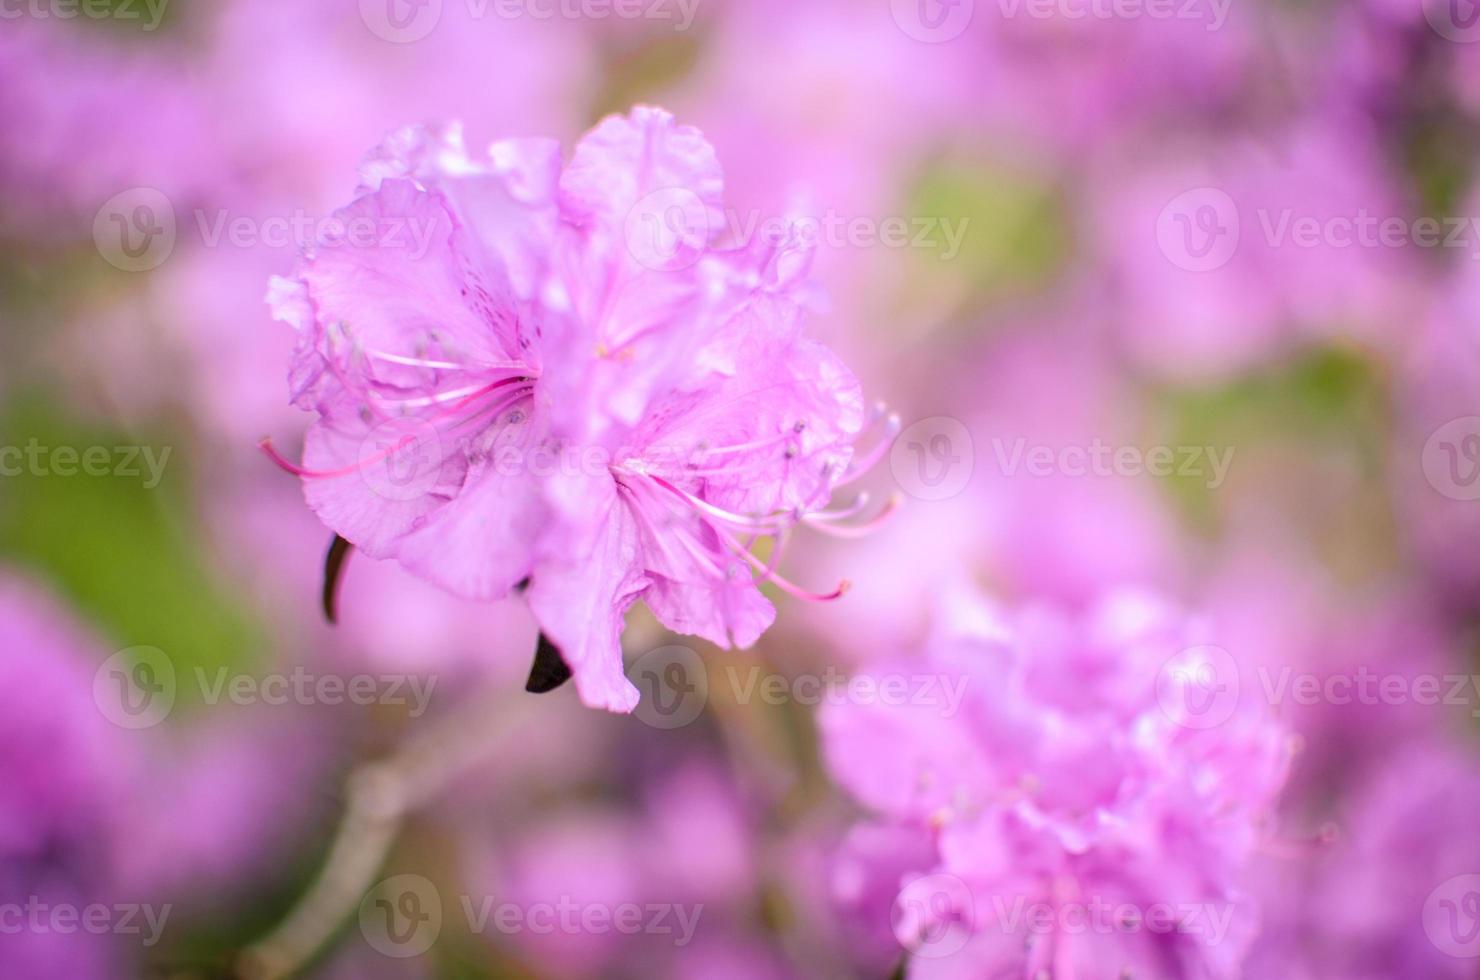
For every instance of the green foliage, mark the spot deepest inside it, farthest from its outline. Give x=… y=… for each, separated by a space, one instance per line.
x=1328 y=403
x=128 y=557
x=1016 y=233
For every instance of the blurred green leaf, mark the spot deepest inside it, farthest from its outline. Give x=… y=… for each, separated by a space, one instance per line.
x=1016 y=234
x=646 y=72
x=1329 y=402
x=126 y=555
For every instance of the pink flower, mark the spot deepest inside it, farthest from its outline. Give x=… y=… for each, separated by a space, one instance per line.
x=552 y=379
x=572 y=857
x=1226 y=257
x=1083 y=823
x=1046 y=381
x=89 y=812
x=125 y=102
x=65 y=772
x=1391 y=890
x=1434 y=459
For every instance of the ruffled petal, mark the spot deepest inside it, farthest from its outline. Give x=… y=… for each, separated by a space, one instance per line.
x=507 y=199
x=580 y=594
x=640 y=201
x=688 y=596
x=626 y=158
x=793 y=403
x=385 y=479
x=402 y=279
x=482 y=543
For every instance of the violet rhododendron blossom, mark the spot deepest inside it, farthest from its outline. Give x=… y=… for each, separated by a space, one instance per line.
x=553 y=378
x=1086 y=803
x=1395 y=891
x=65 y=774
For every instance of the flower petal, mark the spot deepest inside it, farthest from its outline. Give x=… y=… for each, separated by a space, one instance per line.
x=481 y=544
x=580 y=594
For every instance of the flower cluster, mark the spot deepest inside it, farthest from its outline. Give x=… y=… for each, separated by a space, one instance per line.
x=59 y=802
x=1074 y=817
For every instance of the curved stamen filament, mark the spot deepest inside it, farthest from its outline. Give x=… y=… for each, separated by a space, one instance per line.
x=421 y=362
x=495 y=409
x=745 y=447
x=762 y=525
x=461 y=397
x=872 y=457
x=426 y=362
x=843 y=513
x=298 y=470
x=821 y=522
x=437 y=399
x=769 y=574
x=409 y=438
x=754 y=464
x=485 y=390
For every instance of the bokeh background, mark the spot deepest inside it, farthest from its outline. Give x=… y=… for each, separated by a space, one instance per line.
x=1233 y=242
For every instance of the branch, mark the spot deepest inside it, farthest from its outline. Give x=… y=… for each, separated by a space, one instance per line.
x=380 y=796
